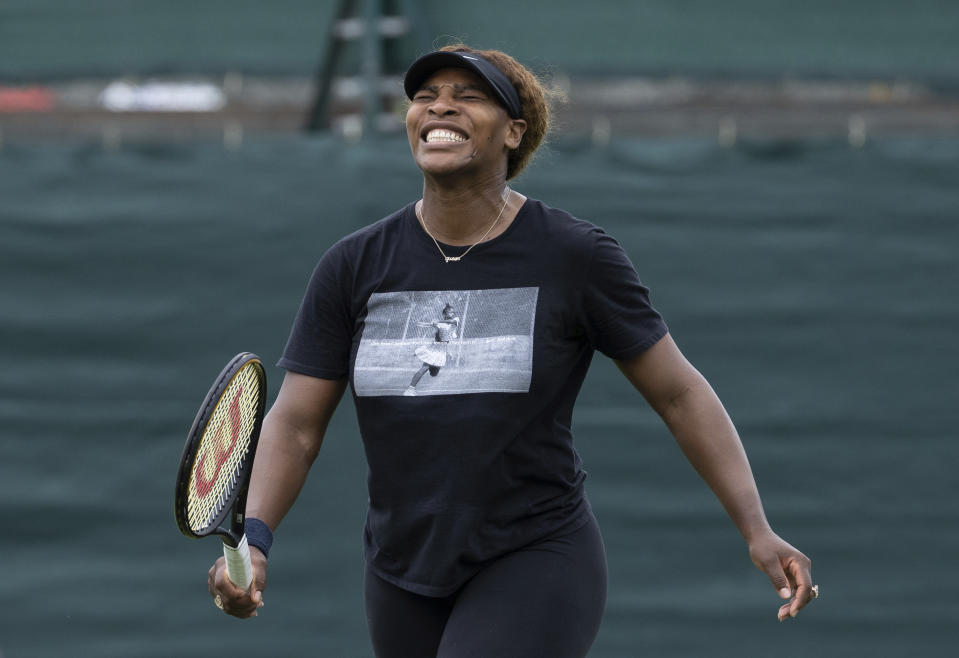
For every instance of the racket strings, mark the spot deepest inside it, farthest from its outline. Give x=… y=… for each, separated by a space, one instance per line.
x=223 y=449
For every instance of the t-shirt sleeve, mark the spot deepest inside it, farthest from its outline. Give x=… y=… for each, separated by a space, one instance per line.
x=321 y=337
x=620 y=322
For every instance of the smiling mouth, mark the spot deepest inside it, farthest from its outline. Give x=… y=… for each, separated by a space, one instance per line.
x=443 y=136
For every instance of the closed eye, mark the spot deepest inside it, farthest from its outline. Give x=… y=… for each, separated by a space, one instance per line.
x=460 y=92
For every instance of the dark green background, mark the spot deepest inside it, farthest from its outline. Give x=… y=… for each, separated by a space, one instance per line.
x=884 y=38
x=815 y=285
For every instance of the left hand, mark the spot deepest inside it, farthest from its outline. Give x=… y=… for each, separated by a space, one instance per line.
x=787 y=568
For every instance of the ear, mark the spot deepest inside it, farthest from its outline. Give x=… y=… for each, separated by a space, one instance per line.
x=514 y=133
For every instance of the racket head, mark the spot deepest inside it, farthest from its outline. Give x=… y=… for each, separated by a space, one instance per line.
x=218 y=455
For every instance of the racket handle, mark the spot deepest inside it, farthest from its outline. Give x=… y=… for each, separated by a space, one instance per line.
x=238 y=565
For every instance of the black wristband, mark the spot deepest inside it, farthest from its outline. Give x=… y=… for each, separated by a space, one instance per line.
x=258 y=534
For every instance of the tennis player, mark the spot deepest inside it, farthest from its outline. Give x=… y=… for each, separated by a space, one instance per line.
x=479 y=540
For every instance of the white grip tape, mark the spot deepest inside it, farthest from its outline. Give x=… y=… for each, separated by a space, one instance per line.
x=238 y=565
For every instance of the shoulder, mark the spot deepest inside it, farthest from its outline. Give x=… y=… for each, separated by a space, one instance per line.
x=339 y=263
x=364 y=244
x=582 y=246
x=372 y=234
x=564 y=231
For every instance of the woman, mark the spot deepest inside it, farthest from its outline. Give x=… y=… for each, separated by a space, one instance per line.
x=479 y=538
x=433 y=355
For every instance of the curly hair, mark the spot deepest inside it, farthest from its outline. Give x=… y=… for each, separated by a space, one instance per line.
x=533 y=99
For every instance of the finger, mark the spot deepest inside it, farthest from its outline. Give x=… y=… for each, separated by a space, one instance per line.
x=783 y=613
x=778 y=578
x=241 y=612
x=236 y=601
x=259 y=576
x=785 y=587
x=211 y=577
x=797 y=570
x=801 y=573
x=803 y=596
x=242 y=606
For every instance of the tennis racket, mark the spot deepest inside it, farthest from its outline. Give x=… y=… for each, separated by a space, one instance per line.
x=217 y=459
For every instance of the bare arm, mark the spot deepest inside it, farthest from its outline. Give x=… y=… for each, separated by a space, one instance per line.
x=290 y=440
x=292 y=434
x=702 y=428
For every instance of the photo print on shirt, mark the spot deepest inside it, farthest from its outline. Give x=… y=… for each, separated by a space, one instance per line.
x=447 y=342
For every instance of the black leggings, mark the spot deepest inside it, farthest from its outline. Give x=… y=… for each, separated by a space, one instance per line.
x=542 y=601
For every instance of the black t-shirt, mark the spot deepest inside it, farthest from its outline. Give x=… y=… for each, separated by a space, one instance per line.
x=464 y=376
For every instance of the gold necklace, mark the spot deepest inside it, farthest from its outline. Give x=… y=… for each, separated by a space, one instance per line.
x=422 y=217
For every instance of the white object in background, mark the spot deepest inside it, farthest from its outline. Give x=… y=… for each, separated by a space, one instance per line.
x=120 y=96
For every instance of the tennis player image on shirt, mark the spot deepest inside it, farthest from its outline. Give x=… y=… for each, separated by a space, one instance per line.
x=472 y=341
x=433 y=355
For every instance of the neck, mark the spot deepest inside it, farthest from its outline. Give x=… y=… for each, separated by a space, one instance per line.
x=462 y=216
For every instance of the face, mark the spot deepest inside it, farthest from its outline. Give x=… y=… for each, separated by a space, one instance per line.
x=455 y=125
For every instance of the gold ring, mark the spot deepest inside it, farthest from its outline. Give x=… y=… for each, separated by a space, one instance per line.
x=218 y=602
x=815 y=591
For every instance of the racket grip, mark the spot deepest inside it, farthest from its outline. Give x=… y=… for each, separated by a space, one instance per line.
x=238 y=565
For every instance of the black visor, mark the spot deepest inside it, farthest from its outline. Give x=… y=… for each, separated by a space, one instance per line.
x=429 y=64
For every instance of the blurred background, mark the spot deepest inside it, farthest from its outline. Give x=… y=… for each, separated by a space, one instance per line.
x=784 y=176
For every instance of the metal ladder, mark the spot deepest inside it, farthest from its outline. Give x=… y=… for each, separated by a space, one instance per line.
x=359 y=80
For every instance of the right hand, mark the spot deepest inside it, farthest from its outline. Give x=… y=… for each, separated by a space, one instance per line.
x=238 y=602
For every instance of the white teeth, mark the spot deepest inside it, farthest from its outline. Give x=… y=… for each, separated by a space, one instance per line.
x=444 y=136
